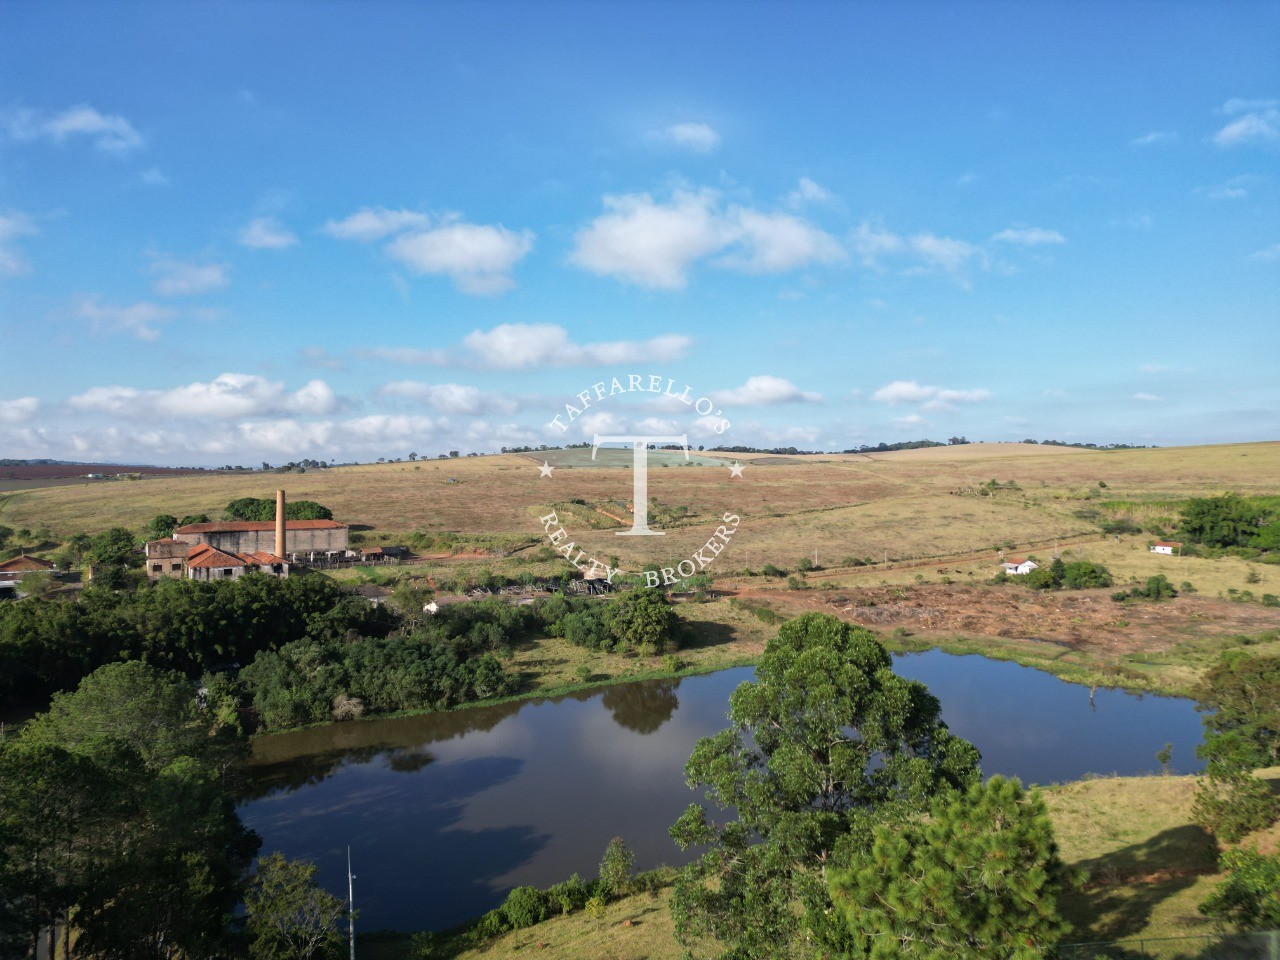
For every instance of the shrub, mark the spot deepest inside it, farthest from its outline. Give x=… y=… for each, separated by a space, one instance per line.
x=570 y=895
x=769 y=570
x=525 y=907
x=1249 y=897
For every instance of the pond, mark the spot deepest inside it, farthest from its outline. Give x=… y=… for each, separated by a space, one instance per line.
x=445 y=813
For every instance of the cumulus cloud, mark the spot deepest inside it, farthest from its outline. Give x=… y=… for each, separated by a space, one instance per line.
x=516 y=346
x=375 y=223
x=184 y=278
x=478 y=258
x=1029 y=236
x=13 y=262
x=910 y=422
x=698 y=137
x=266 y=233
x=18 y=410
x=765 y=390
x=226 y=397
x=928 y=397
x=653 y=244
x=1268 y=255
x=108 y=132
x=455 y=398
x=807 y=191
x=1254 y=121
x=139 y=319
x=1147 y=397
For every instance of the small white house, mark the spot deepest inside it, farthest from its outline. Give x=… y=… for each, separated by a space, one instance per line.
x=1016 y=567
x=1166 y=547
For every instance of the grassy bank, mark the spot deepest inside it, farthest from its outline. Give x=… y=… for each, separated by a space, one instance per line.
x=1147 y=866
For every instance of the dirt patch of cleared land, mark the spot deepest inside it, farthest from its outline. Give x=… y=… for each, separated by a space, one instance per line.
x=1086 y=620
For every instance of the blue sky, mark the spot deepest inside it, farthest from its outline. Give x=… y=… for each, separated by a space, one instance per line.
x=245 y=232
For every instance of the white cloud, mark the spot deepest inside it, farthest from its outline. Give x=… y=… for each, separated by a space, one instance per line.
x=698 y=137
x=910 y=422
x=12 y=261
x=154 y=177
x=19 y=410
x=647 y=243
x=873 y=244
x=777 y=242
x=516 y=346
x=321 y=357
x=1147 y=397
x=109 y=133
x=455 y=398
x=478 y=258
x=1029 y=236
x=266 y=233
x=929 y=397
x=1156 y=136
x=765 y=390
x=374 y=223
x=807 y=191
x=182 y=278
x=138 y=319
x=226 y=397
x=944 y=253
x=1255 y=120
x=1267 y=255
x=653 y=244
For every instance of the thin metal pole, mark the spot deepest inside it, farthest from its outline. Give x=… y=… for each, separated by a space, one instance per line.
x=351 y=905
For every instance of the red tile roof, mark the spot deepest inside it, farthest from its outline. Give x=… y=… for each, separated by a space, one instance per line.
x=1017 y=561
x=204 y=555
x=26 y=563
x=243 y=526
x=260 y=556
x=1167 y=543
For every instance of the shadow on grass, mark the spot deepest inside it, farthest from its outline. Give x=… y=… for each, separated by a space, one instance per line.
x=701 y=635
x=1123 y=888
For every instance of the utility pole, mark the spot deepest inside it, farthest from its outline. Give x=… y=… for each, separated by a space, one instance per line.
x=351 y=905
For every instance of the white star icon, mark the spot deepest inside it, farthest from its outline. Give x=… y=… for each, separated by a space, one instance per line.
x=545 y=469
x=735 y=470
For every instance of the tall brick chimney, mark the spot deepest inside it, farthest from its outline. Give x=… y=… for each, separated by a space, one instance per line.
x=281 y=546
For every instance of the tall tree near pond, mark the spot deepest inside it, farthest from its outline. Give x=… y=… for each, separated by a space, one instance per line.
x=288 y=915
x=827 y=742
x=979 y=879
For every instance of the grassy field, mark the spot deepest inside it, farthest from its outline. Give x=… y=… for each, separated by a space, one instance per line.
x=916 y=503
x=1147 y=867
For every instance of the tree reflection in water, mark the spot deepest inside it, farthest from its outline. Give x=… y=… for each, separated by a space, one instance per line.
x=642 y=707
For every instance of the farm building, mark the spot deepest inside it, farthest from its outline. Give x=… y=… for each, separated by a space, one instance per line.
x=175 y=558
x=208 y=563
x=14 y=569
x=1166 y=547
x=247 y=536
x=1016 y=566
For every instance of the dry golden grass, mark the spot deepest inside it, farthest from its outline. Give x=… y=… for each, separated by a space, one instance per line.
x=904 y=504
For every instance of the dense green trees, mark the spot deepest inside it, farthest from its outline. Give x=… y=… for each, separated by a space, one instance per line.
x=288 y=916
x=979 y=878
x=1241 y=700
x=1249 y=895
x=826 y=743
x=264 y=508
x=161 y=526
x=1227 y=521
x=47 y=645
x=638 y=621
x=115 y=819
x=1076 y=575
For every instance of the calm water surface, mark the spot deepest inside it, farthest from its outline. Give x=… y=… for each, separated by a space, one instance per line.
x=446 y=812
